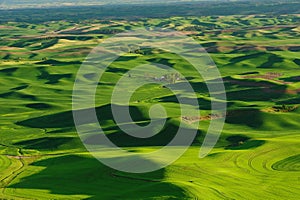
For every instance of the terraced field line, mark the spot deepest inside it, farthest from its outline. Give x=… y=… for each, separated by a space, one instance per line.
x=220 y=194
x=133 y=178
x=9 y=178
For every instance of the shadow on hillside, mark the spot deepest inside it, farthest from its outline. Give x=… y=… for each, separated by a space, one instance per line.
x=122 y=139
x=51 y=143
x=246 y=57
x=291 y=79
x=295 y=100
x=22 y=87
x=18 y=95
x=297 y=62
x=203 y=104
x=270 y=57
x=65 y=119
x=76 y=175
x=240 y=142
x=39 y=106
x=252 y=90
x=9 y=71
x=51 y=78
x=57 y=62
x=250 y=117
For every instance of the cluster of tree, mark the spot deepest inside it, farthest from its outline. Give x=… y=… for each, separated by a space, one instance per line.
x=284 y=108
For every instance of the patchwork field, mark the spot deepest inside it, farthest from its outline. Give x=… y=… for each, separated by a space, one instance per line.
x=256 y=157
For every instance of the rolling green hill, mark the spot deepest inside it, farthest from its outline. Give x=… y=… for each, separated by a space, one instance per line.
x=256 y=157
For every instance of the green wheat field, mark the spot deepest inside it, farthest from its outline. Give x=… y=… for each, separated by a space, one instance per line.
x=256 y=157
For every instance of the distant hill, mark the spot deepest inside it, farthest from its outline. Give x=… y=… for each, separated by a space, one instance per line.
x=42 y=11
x=8 y=4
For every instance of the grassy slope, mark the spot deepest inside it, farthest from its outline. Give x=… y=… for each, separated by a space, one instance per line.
x=256 y=157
